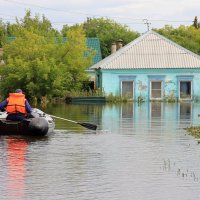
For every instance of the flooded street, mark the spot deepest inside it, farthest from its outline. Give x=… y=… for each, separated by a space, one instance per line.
x=139 y=152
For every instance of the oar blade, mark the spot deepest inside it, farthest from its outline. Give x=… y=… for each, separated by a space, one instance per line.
x=88 y=125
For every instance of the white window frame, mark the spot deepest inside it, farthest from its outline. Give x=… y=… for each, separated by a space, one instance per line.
x=179 y=91
x=133 y=86
x=160 y=81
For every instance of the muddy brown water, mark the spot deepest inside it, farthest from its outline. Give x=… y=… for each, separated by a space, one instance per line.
x=139 y=152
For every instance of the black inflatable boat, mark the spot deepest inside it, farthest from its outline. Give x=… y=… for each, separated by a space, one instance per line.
x=39 y=124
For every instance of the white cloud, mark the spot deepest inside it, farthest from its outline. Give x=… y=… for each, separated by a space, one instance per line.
x=158 y=12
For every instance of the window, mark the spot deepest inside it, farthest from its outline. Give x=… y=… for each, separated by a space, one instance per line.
x=127 y=89
x=156 y=86
x=156 y=89
x=127 y=85
x=185 y=89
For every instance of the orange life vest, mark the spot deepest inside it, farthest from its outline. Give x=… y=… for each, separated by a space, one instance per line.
x=16 y=103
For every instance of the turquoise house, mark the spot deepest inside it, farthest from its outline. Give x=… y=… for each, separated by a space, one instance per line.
x=151 y=67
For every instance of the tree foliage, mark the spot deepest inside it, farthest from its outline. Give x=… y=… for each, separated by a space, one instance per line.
x=3 y=33
x=76 y=57
x=29 y=65
x=41 y=62
x=196 y=24
x=108 y=31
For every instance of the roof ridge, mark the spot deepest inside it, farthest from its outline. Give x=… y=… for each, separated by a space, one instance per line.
x=118 y=52
x=137 y=41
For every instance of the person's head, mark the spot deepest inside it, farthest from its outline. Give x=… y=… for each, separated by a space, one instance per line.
x=18 y=91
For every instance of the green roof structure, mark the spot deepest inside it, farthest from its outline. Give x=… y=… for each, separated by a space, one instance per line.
x=94 y=43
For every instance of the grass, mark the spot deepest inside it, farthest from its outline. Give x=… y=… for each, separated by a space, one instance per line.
x=194 y=131
x=115 y=99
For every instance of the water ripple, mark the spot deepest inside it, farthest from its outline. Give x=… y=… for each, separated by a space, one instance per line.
x=125 y=159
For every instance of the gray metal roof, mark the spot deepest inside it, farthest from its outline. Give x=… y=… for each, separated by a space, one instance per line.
x=150 y=51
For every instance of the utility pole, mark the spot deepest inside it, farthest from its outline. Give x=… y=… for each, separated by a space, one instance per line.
x=147 y=23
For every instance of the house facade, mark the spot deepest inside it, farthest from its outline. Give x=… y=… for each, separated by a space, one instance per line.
x=151 y=67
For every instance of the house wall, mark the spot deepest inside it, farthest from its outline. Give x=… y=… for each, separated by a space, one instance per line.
x=110 y=81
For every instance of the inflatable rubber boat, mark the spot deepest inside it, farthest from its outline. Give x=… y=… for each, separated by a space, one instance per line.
x=38 y=124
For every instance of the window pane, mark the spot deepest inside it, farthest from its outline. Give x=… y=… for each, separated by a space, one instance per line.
x=156 y=85
x=127 y=88
x=156 y=89
x=156 y=93
x=185 y=89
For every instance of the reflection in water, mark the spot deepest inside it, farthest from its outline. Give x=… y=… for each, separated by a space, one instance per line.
x=13 y=162
x=127 y=116
x=127 y=110
x=78 y=112
x=138 y=118
x=185 y=110
x=145 y=155
x=156 y=115
x=16 y=152
x=155 y=109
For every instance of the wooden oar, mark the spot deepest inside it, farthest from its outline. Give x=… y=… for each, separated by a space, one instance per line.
x=86 y=125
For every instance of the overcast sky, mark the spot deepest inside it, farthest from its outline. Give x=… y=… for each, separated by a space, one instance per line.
x=133 y=13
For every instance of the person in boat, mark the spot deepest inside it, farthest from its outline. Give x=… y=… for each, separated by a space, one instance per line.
x=16 y=106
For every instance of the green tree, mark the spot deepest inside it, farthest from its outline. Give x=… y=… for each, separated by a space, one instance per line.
x=38 y=25
x=75 y=57
x=40 y=62
x=30 y=66
x=196 y=24
x=108 y=31
x=3 y=33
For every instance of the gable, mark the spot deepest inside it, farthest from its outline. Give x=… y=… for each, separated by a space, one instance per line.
x=150 y=51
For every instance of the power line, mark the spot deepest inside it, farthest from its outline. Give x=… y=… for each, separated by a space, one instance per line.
x=46 y=8
x=96 y=15
x=132 y=21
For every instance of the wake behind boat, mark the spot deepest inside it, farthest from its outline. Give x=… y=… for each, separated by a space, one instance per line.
x=39 y=124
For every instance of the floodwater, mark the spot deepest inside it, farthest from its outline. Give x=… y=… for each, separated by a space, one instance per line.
x=139 y=152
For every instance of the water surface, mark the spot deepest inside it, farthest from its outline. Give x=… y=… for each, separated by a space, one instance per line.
x=139 y=152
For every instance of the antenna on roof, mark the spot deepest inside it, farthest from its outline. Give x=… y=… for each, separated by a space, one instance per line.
x=146 y=21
